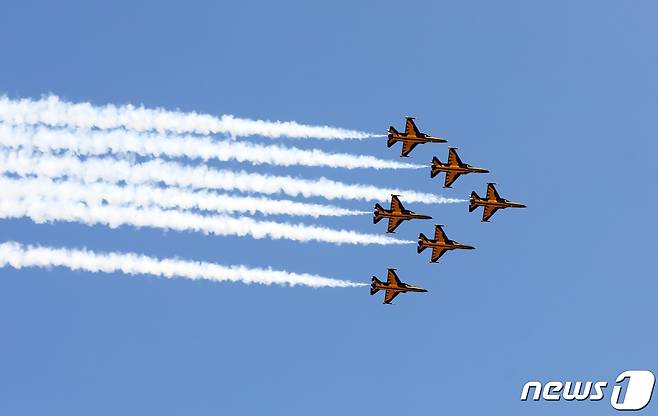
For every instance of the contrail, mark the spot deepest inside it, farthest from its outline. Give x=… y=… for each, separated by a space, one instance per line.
x=53 y=111
x=42 y=210
x=95 y=142
x=97 y=193
x=18 y=256
x=175 y=174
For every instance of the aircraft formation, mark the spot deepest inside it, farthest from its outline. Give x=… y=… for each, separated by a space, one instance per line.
x=440 y=244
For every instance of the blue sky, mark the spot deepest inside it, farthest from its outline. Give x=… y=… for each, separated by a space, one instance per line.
x=558 y=99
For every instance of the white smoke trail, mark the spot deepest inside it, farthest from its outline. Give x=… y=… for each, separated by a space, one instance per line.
x=95 y=142
x=42 y=210
x=152 y=196
x=174 y=174
x=54 y=112
x=19 y=256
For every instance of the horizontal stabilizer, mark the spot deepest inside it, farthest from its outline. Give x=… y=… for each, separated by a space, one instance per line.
x=378 y=214
x=435 y=162
x=375 y=282
x=422 y=243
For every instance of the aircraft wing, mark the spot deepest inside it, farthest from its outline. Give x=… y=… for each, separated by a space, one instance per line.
x=410 y=128
x=393 y=223
x=437 y=252
x=407 y=147
x=453 y=157
x=396 y=205
x=392 y=279
x=451 y=177
x=492 y=193
x=488 y=212
x=390 y=295
x=440 y=235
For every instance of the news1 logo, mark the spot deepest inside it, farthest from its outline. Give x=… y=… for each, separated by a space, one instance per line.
x=635 y=396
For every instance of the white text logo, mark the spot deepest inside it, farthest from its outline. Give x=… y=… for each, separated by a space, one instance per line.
x=635 y=395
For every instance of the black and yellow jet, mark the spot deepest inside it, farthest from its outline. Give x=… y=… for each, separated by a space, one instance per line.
x=393 y=286
x=396 y=214
x=440 y=244
x=453 y=168
x=411 y=137
x=492 y=203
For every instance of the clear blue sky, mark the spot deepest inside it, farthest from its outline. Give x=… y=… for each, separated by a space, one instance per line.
x=558 y=99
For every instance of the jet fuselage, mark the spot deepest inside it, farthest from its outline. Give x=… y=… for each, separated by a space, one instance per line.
x=447 y=246
x=404 y=216
x=416 y=139
x=457 y=168
x=407 y=288
x=497 y=204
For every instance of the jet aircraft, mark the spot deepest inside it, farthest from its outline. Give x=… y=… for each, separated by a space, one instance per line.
x=453 y=168
x=492 y=203
x=411 y=137
x=393 y=286
x=396 y=214
x=440 y=244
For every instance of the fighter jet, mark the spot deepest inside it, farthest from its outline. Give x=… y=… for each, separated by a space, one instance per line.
x=440 y=244
x=453 y=168
x=410 y=138
x=492 y=203
x=396 y=214
x=393 y=286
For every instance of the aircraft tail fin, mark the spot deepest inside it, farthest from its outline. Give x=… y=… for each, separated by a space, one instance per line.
x=378 y=214
x=422 y=243
x=373 y=288
x=473 y=205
